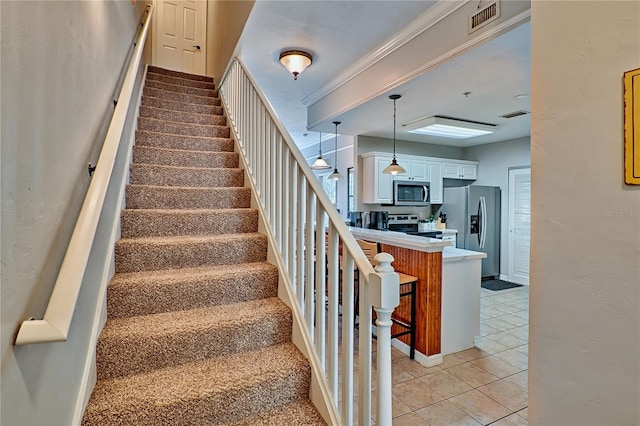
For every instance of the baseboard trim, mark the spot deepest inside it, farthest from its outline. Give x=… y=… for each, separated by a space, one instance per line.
x=427 y=361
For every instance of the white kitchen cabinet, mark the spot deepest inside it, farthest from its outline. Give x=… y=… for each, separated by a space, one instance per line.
x=459 y=170
x=415 y=169
x=435 y=179
x=377 y=187
x=450 y=237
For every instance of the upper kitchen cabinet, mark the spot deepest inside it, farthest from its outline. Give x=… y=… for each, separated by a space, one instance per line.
x=460 y=170
x=377 y=187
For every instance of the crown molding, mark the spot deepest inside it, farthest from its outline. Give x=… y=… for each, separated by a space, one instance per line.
x=480 y=38
x=426 y=20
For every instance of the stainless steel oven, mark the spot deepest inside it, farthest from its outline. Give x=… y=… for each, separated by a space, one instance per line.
x=411 y=193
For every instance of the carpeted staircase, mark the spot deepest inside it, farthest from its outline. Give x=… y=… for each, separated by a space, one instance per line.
x=195 y=333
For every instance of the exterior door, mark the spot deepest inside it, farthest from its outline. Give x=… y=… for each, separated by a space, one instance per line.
x=179 y=35
x=519 y=225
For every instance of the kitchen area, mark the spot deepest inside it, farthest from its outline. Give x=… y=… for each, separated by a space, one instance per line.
x=446 y=204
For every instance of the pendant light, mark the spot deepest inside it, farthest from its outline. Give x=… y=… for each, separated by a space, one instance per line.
x=394 y=168
x=320 y=163
x=335 y=175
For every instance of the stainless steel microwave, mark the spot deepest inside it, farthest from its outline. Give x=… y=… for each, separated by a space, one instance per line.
x=411 y=193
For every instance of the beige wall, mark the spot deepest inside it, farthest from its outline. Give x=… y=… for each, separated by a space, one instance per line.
x=585 y=257
x=225 y=22
x=59 y=68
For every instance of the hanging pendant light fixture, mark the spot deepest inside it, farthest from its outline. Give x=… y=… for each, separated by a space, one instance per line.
x=335 y=175
x=394 y=168
x=320 y=163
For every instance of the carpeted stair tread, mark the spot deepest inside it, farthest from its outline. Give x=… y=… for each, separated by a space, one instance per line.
x=179 y=74
x=181 y=106
x=141 y=344
x=174 y=128
x=301 y=412
x=180 y=97
x=144 y=293
x=180 y=81
x=174 y=222
x=184 y=158
x=176 y=88
x=159 y=175
x=175 y=197
x=153 y=253
x=182 y=116
x=191 y=143
x=212 y=391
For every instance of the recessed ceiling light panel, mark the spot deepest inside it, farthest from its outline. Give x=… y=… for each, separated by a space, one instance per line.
x=446 y=127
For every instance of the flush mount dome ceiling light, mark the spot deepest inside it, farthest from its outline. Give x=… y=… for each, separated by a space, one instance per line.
x=447 y=127
x=295 y=61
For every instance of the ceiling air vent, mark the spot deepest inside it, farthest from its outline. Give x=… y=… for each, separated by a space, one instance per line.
x=515 y=114
x=484 y=16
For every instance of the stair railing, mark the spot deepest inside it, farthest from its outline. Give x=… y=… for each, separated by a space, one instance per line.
x=54 y=327
x=315 y=259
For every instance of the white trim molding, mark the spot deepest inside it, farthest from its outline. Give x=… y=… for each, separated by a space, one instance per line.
x=426 y=20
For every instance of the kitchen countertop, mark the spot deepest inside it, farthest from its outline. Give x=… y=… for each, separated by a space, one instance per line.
x=400 y=239
x=448 y=231
x=451 y=254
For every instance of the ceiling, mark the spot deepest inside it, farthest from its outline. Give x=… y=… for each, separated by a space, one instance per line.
x=339 y=33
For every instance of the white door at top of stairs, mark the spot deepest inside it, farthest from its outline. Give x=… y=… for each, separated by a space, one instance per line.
x=179 y=35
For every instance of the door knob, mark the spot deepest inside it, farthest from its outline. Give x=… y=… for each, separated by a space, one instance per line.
x=196 y=46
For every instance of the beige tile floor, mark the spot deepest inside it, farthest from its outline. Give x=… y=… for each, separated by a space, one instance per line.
x=479 y=386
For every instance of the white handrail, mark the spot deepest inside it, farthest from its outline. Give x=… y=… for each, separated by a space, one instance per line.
x=54 y=327
x=295 y=206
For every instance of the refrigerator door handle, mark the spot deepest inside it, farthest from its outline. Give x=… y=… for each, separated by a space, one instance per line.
x=483 y=221
x=480 y=223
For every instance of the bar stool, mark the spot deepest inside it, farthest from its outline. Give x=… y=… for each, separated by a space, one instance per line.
x=408 y=285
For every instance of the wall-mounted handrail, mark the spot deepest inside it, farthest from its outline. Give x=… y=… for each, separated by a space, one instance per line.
x=316 y=254
x=54 y=327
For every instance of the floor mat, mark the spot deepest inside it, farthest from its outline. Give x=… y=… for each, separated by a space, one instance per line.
x=496 y=285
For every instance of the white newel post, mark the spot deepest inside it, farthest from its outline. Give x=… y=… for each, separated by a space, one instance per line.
x=385 y=296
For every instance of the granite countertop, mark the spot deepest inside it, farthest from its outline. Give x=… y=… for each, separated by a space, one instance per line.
x=400 y=239
x=451 y=254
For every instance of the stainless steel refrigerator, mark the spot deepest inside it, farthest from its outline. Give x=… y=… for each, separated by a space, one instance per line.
x=475 y=212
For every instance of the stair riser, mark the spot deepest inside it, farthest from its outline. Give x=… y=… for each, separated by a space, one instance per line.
x=141 y=223
x=180 y=97
x=182 y=117
x=180 y=81
x=214 y=409
x=181 y=89
x=180 y=129
x=153 y=296
x=124 y=357
x=181 y=106
x=151 y=255
x=148 y=197
x=180 y=158
x=179 y=74
x=144 y=174
x=191 y=143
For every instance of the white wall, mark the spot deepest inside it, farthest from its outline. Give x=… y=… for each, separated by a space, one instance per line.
x=59 y=68
x=584 y=347
x=495 y=160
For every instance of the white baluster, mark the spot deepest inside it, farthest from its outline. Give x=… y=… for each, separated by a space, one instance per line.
x=385 y=296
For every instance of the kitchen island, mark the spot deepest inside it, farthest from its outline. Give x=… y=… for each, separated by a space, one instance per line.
x=447 y=293
x=422 y=258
